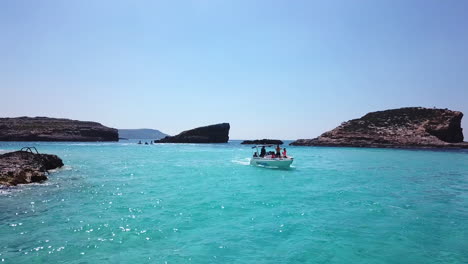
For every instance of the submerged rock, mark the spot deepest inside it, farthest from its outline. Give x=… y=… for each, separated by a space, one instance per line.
x=218 y=133
x=22 y=167
x=263 y=142
x=54 y=129
x=404 y=127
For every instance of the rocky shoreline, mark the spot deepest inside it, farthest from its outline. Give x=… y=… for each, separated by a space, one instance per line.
x=22 y=167
x=410 y=127
x=54 y=129
x=308 y=143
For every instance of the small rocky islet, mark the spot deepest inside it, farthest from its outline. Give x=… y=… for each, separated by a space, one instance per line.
x=409 y=127
x=218 y=133
x=22 y=167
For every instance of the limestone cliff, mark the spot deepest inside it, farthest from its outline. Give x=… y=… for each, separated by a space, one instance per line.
x=54 y=129
x=403 y=127
x=218 y=133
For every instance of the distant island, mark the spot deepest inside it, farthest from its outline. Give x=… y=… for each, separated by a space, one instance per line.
x=262 y=142
x=218 y=133
x=404 y=127
x=54 y=129
x=143 y=133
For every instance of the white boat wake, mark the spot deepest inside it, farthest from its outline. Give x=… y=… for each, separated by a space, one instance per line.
x=245 y=161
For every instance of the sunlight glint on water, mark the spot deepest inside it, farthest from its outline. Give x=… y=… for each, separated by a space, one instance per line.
x=122 y=202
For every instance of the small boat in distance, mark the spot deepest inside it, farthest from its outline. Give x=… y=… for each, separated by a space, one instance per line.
x=269 y=159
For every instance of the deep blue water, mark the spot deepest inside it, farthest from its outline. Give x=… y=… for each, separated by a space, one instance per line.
x=187 y=203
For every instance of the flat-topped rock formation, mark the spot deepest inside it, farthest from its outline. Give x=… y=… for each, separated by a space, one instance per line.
x=218 y=133
x=21 y=167
x=404 y=127
x=54 y=129
x=262 y=142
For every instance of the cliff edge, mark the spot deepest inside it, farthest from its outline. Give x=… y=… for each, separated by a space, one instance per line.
x=218 y=133
x=54 y=129
x=403 y=127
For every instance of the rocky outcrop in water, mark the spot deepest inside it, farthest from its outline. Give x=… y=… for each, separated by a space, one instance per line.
x=404 y=127
x=262 y=142
x=218 y=133
x=21 y=167
x=54 y=129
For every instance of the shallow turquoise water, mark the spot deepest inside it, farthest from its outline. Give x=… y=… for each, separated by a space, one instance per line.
x=124 y=203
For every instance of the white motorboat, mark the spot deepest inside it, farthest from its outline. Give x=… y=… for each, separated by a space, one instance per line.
x=269 y=159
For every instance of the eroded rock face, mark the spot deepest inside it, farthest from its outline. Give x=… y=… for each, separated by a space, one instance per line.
x=218 y=133
x=21 y=167
x=404 y=127
x=262 y=142
x=54 y=129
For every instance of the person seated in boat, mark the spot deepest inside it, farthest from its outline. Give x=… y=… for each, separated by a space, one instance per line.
x=255 y=154
x=278 y=151
x=284 y=153
x=262 y=152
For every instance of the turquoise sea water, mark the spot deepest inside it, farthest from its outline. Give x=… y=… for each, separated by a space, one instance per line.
x=183 y=203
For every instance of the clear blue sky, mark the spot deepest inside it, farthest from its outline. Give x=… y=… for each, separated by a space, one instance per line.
x=273 y=69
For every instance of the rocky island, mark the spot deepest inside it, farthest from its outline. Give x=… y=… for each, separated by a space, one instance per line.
x=54 y=129
x=21 y=167
x=262 y=142
x=410 y=127
x=218 y=133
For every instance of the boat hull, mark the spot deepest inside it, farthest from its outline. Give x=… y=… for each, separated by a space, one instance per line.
x=281 y=163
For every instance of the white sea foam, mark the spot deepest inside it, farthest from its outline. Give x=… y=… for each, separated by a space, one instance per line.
x=7 y=190
x=46 y=183
x=64 y=168
x=4 y=192
x=245 y=161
